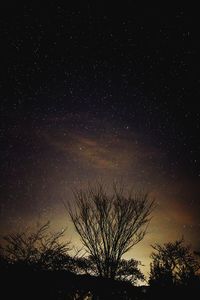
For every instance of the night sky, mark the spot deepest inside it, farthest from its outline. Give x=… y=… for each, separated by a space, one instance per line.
x=100 y=92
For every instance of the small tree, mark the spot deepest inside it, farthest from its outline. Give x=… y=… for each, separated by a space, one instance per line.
x=109 y=224
x=173 y=264
x=38 y=249
x=128 y=270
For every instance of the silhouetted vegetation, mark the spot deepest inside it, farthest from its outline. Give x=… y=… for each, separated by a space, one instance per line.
x=38 y=264
x=36 y=249
x=128 y=270
x=173 y=265
x=109 y=224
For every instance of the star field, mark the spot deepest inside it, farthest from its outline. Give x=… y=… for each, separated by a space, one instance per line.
x=90 y=92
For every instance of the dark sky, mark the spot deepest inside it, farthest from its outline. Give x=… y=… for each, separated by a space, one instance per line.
x=95 y=91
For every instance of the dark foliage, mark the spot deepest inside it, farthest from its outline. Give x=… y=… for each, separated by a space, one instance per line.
x=37 y=266
x=37 y=249
x=173 y=265
x=128 y=270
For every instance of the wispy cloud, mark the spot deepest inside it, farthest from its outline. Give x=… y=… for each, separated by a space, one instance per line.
x=106 y=152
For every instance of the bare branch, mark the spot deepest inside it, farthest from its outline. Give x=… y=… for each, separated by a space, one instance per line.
x=109 y=224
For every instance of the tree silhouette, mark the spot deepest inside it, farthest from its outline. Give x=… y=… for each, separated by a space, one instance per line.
x=109 y=224
x=38 y=249
x=173 y=264
x=128 y=270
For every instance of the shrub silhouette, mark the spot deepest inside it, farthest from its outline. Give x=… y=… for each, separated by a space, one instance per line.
x=43 y=270
x=37 y=249
x=128 y=270
x=173 y=265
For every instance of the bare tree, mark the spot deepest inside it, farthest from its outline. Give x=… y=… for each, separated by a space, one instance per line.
x=37 y=248
x=109 y=224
